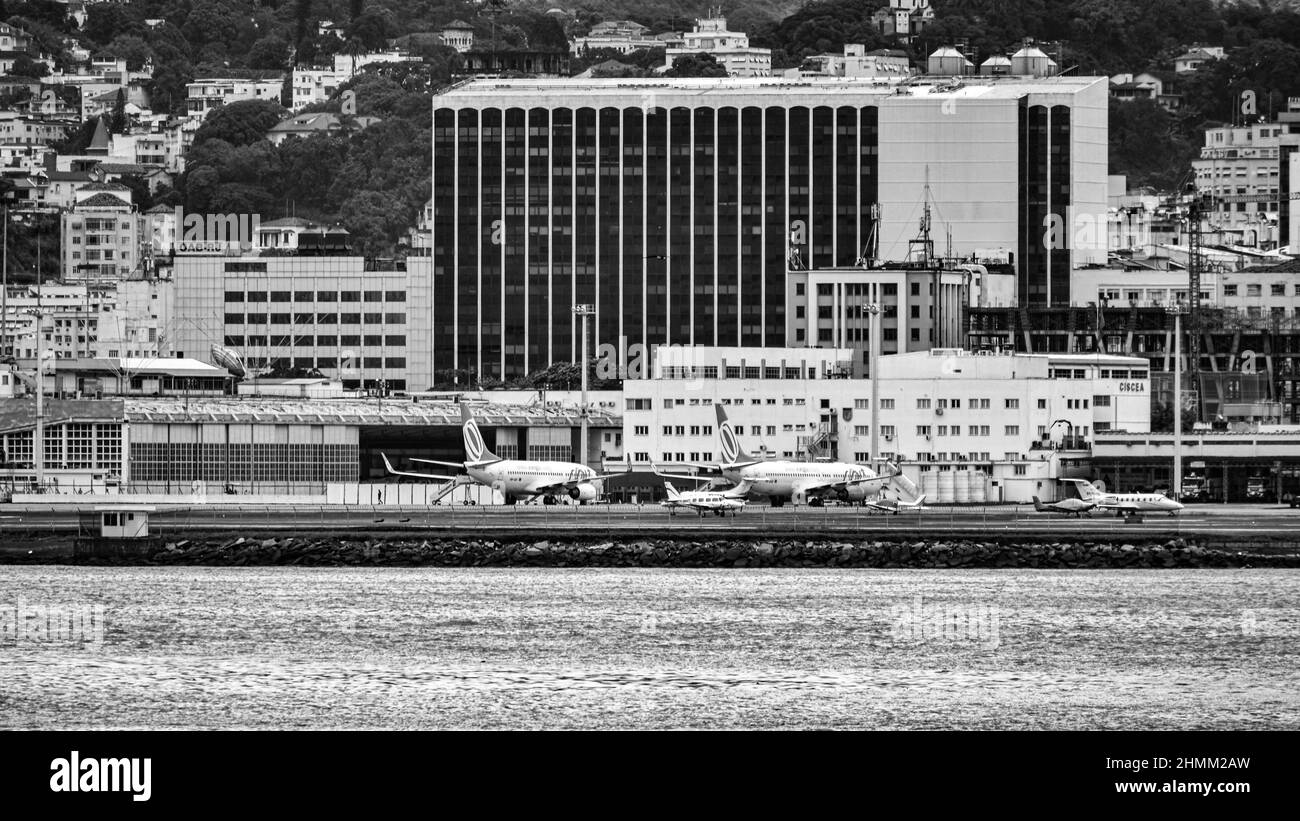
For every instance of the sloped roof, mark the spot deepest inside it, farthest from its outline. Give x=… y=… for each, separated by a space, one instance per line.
x=99 y=142
x=103 y=201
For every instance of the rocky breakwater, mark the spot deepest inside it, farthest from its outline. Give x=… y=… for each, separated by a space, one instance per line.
x=413 y=551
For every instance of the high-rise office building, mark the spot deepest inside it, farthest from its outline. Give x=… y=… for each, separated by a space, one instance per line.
x=677 y=207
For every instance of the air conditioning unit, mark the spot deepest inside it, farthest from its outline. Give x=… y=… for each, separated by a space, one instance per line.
x=938 y=411
x=889 y=438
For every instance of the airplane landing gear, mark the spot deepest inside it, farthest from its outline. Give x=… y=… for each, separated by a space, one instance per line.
x=548 y=500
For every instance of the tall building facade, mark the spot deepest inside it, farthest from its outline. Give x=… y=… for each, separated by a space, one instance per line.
x=676 y=208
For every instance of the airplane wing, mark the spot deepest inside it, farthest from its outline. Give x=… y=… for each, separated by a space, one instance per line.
x=439 y=462
x=843 y=484
x=396 y=472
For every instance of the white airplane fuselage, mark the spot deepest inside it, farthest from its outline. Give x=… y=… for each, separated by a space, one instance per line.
x=783 y=478
x=516 y=478
x=705 y=502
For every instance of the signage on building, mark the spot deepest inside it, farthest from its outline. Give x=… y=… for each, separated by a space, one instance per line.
x=1248 y=198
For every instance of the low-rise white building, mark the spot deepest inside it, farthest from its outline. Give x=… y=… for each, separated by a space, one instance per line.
x=316 y=85
x=1029 y=417
x=730 y=48
x=206 y=94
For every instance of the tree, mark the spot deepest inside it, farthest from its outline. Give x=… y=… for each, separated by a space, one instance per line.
x=1148 y=145
x=268 y=52
x=240 y=123
x=696 y=65
x=1162 y=418
x=24 y=66
x=133 y=49
x=117 y=124
x=106 y=21
x=172 y=70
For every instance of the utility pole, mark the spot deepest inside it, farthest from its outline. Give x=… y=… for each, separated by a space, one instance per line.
x=4 y=289
x=874 y=310
x=585 y=312
x=1177 y=311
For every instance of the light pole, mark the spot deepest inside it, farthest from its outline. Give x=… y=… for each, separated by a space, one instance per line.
x=1177 y=311
x=38 y=434
x=585 y=312
x=874 y=310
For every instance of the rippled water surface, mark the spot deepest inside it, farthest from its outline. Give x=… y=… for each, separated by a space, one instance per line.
x=654 y=648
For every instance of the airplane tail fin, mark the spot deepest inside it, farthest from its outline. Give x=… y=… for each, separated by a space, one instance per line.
x=475 y=448
x=1087 y=492
x=672 y=491
x=1038 y=505
x=906 y=487
x=731 y=449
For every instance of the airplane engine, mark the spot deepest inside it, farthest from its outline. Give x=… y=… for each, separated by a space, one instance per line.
x=583 y=493
x=856 y=493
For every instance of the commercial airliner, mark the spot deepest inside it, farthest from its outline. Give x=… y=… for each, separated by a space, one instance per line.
x=515 y=479
x=1125 y=504
x=782 y=480
x=1070 y=507
x=707 y=501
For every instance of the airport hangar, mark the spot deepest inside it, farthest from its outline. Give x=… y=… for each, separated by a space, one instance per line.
x=172 y=445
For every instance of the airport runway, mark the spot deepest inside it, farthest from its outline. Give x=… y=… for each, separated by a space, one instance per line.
x=1221 y=522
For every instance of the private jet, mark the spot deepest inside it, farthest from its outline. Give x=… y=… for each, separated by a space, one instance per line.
x=1070 y=507
x=1125 y=504
x=716 y=502
x=515 y=479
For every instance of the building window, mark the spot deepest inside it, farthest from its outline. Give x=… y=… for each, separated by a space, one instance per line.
x=1231 y=290
x=886 y=404
x=1013 y=404
x=1013 y=430
x=1042 y=404
x=923 y=404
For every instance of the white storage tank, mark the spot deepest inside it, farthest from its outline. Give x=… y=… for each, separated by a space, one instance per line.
x=1032 y=62
x=945 y=489
x=960 y=487
x=948 y=61
x=929 y=485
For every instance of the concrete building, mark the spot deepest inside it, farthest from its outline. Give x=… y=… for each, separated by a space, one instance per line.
x=316 y=85
x=1197 y=56
x=678 y=208
x=314 y=450
x=730 y=48
x=334 y=314
x=856 y=61
x=126 y=319
x=1239 y=168
x=1025 y=420
x=827 y=308
x=458 y=35
x=23 y=129
x=904 y=18
x=101 y=234
x=623 y=36
x=206 y=94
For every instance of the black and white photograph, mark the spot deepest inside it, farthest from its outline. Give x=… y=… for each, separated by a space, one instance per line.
x=518 y=366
